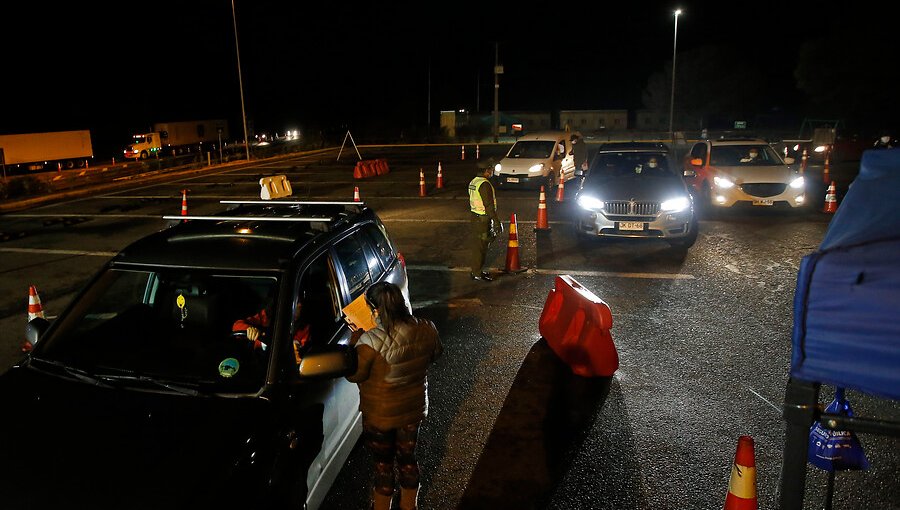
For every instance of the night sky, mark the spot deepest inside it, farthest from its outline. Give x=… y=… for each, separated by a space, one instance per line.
x=120 y=69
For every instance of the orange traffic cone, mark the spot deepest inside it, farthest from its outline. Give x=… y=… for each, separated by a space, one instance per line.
x=742 y=486
x=184 y=211
x=830 y=199
x=560 y=190
x=803 y=162
x=542 y=213
x=35 y=311
x=440 y=177
x=422 y=192
x=826 y=172
x=512 y=247
x=477 y=151
x=356 y=193
x=463 y=152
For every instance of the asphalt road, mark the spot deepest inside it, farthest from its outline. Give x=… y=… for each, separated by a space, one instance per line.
x=703 y=340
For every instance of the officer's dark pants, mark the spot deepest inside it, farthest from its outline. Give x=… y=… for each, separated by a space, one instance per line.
x=481 y=239
x=388 y=446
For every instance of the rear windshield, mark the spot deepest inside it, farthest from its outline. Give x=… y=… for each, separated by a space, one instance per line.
x=532 y=149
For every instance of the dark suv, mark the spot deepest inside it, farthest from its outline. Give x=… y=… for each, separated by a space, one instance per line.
x=634 y=190
x=144 y=393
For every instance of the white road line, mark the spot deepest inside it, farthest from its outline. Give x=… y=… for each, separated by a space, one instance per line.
x=47 y=251
x=660 y=276
x=764 y=400
x=68 y=215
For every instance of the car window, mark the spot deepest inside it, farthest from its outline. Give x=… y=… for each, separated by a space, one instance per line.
x=532 y=149
x=699 y=151
x=382 y=248
x=740 y=155
x=317 y=304
x=354 y=265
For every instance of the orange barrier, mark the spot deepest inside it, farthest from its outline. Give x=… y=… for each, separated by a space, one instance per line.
x=512 y=247
x=830 y=199
x=370 y=168
x=742 y=485
x=541 y=223
x=576 y=323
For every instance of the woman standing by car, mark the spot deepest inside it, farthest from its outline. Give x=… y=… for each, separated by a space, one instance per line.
x=393 y=359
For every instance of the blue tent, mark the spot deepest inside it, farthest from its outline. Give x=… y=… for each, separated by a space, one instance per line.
x=847 y=302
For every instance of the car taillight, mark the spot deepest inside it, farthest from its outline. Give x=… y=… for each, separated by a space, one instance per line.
x=402 y=259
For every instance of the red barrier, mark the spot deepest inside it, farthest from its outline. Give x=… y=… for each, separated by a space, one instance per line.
x=576 y=323
x=370 y=168
x=357 y=170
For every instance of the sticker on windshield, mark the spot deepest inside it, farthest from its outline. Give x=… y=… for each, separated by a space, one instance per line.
x=228 y=367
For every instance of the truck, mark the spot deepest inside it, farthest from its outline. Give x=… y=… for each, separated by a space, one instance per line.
x=174 y=138
x=52 y=150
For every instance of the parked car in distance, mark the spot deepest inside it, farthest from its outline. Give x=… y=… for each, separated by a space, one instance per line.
x=728 y=172
x=633 y=190
x=544 y=158
x=144 y=393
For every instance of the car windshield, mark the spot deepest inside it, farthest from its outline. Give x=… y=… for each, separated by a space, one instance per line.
x=532 y=149
x=167 y=325
x=743 y=155
x=625 y=165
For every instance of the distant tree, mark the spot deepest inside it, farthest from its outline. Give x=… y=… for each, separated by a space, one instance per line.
x=710 y=81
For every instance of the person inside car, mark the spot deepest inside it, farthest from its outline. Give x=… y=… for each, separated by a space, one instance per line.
x=752 y=156
x=256 y=328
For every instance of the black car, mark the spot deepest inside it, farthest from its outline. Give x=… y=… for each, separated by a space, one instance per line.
x=144 y=393
x=633 y=190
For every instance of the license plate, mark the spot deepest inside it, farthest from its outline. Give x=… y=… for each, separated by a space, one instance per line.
x=512 y=179
x=762 y=201
x=631 y=225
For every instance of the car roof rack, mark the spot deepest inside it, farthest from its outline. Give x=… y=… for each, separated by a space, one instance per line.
x=247 y=218
x=288 y=202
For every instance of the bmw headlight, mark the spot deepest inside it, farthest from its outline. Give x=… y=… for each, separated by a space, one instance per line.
x=723 y=182
x=675 y=205
x=797 y=183
x=590 y=203
x=536 y=169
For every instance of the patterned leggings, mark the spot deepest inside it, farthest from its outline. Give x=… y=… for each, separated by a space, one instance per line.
x=390 y=446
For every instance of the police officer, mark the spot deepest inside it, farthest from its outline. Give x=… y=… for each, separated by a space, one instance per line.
x=485 y=223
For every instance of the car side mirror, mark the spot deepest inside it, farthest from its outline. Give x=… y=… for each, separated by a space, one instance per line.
x=697 y=161
x=327 y=361
x=789 y=160
x=690 y=173
x=35 y=329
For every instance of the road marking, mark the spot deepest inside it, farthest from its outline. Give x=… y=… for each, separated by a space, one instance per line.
x=66 y=215
x=613 y=274
x=46 y=251
x=764 y=400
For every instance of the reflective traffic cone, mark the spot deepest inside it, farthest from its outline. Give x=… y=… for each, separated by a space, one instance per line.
x=477 y=151
x=826 y=172
x=463 y=152
x=560 y=190
x=184 y=211
x=356 y=193
x=542 y=223
x=35 y=311
x=512 y=247
x=830 y=199
x=422 y=192
x=803 y=162
x=440 y=177
x=742 y=485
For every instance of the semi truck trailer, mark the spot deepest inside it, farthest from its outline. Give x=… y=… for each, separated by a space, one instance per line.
x=53 y=150
x=174 y=138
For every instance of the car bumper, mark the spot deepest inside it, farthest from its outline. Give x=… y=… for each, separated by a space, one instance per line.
x=518 y=181
x=738 y=195
x=669 y=226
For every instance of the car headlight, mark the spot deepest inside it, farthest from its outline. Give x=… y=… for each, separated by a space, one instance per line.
x=497 y=168
x=723 y=182
x=797 y=183
x=590 y=203
x=820 y=148
x=674 y=205
x=536 y=169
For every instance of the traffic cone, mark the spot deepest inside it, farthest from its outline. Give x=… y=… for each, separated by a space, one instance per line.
x=803 y=162
x=742 y=486
x=35 y=311
x=512 y=247
x=477 y=151
x=560 y=190
x=463 y=153
x=422 y=192
x=541 y=223
x=184 y=211
x=440 y=177
x=356 y=193
x=830 y=199
x=826 y=172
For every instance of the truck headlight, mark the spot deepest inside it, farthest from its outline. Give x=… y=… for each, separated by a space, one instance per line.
x=675 y=205
x=590 y=203
x=723 y=182
x=536 y=169
x=797 y=183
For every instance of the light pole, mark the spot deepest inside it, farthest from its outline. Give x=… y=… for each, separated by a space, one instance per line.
x=240 y=81
x=672 y=97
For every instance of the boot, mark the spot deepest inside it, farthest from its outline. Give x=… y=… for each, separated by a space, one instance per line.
x=381 y=502
x=408 y=498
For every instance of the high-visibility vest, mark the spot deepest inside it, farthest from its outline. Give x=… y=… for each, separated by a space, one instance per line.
x=476 y=205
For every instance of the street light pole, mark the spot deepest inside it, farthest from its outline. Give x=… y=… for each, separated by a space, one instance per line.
x=672 y=97
x=240 y=81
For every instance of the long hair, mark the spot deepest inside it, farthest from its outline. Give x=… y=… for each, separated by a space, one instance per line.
x=388 y=299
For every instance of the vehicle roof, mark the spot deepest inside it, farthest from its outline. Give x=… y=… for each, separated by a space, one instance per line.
x=251 y=236
x=634 y=147
x=544 y=135
x=738 y=141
